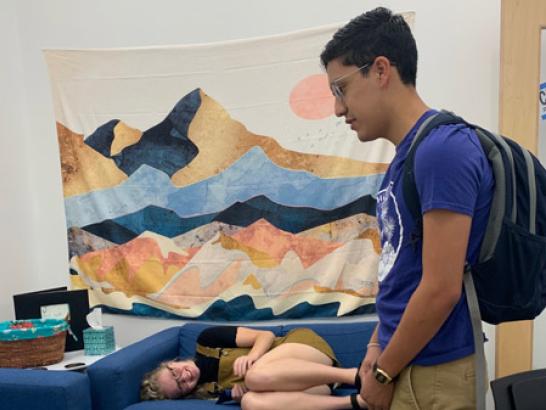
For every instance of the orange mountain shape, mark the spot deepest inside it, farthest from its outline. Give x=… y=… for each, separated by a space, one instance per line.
x=343 y=230
x=83 y=169
x=221 y=141
x=372 y=235
x=124 y=136
x=265 y=239
x=136 y=267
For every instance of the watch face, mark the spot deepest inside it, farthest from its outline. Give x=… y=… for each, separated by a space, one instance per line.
x=380 y=375
x=381 y=378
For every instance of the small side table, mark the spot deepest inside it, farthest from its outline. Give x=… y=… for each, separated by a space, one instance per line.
x=76 y=356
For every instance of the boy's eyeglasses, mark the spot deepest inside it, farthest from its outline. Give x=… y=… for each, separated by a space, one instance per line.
x=336 y=88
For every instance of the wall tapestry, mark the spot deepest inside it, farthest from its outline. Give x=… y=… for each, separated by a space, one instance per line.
x=214 y=181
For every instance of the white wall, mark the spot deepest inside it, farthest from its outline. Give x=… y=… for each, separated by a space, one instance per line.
x=458 y=69
x=17 y=214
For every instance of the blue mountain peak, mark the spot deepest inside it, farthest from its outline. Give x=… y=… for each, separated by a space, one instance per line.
x=183 y=112
x=146 y=175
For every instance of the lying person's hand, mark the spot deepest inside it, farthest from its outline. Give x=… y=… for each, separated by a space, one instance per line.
x=242 y=364
x=238 y=391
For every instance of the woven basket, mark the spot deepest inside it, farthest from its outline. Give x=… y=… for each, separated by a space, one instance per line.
x=28 y=351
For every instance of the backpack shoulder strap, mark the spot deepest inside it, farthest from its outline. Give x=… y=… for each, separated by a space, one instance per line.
x=503 y=203
x=413 y=203
x=411 y=196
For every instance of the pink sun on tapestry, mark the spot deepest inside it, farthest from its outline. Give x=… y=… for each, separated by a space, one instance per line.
x=312 y=99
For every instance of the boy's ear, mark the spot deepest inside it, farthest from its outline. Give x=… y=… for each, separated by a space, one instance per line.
x=383 y=69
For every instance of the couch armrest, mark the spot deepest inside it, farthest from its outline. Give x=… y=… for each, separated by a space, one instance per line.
x=43 y=390
x=115 y=379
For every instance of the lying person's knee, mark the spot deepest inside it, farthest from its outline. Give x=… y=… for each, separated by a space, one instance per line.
x=258 y=379
x=252 y=401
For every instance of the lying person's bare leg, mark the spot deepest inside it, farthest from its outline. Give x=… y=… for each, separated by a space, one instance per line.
x=292 y=374
x=296 y=351
x=295 y=376
x=295 y=367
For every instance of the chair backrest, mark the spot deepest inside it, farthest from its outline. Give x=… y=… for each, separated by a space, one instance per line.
x=520 y=391
x=530 y=394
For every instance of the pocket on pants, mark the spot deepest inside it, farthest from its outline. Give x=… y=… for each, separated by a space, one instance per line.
x=447 y=386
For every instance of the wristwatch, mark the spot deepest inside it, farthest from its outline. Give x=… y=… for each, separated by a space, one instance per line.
x=381 y=375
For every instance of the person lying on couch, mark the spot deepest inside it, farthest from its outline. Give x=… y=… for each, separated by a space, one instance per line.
x=262 y=371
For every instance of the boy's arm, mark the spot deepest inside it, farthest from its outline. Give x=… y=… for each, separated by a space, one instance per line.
x=445 y=242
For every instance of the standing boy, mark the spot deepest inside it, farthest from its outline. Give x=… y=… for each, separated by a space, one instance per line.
x=421 y=355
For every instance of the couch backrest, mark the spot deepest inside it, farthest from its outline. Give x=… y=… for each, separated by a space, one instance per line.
x=348 y=340
x=189 y=333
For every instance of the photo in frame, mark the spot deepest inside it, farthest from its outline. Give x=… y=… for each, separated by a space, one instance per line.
x=58 y=303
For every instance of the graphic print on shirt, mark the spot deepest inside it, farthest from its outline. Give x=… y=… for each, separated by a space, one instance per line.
x=390 y=224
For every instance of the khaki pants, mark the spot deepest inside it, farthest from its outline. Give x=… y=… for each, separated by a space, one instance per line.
x=447 y=386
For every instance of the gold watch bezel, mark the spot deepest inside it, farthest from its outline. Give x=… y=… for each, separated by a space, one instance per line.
x=381 y=375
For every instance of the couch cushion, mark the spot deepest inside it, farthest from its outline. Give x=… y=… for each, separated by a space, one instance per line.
x=43 y=390
x=180 y=405
x=348 y=340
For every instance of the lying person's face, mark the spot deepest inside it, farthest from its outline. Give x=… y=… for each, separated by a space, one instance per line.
x=178 y=378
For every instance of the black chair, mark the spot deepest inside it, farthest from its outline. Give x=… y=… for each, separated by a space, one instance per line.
x=521 y=391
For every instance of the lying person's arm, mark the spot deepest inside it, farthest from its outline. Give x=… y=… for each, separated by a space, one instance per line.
x=259 y=341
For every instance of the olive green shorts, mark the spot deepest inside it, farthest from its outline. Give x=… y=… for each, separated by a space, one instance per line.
x=307 y=337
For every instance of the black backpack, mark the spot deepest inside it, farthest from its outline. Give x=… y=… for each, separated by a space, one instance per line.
x=508 y=282
x=510 y=275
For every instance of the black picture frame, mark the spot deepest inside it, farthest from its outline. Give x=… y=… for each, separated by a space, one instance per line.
x=29 y=306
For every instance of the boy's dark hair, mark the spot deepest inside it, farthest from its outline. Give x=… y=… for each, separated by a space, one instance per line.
x=376 y=33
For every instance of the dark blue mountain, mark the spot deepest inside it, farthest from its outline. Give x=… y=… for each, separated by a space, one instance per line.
x=165 y=146
x=167 y=223
x=291 y=219
x=111 y=231
x=162 y=221
x=101 y=140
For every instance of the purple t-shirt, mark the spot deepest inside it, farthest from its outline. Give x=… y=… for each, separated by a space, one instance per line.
x=452 y=173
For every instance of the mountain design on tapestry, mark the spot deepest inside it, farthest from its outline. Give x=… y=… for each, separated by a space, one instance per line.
x=158 y=270
x=167 y=223
x=165 y=146
x=198 y=213
x=253 y=175
x=81 y=242
x=202 y=146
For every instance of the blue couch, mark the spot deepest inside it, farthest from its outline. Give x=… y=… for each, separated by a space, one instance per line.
x=43 y=390
x=115 y=380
